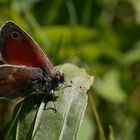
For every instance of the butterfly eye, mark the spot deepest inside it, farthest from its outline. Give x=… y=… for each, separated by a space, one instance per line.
x=15 y=35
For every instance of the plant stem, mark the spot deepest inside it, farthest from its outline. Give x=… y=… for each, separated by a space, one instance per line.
x=97 y=118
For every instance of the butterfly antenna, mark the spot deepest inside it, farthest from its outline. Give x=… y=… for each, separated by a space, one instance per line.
x=66 y=86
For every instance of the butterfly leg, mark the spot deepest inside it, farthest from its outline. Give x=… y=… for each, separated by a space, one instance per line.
x=53 y=99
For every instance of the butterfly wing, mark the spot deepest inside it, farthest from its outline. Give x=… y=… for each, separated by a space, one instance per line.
x=17 y=80
x=18 y=48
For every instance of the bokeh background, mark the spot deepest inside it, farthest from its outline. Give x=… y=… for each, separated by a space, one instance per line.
x=102 y=36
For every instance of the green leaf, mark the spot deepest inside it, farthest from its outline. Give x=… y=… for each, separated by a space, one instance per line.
x=110 y=88
x=40 y=123
x=132 y=55
x=111 y=133
x=82 y=34
x=87 y=129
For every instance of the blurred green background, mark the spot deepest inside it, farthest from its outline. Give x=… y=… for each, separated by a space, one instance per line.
x=102 y=36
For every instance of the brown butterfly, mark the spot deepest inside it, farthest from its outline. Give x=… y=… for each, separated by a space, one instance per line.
x=24 y=67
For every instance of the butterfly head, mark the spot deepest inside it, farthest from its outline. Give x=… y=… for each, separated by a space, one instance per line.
x=56 y=79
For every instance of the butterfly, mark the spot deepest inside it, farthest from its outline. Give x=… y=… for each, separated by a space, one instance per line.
x=24 y=67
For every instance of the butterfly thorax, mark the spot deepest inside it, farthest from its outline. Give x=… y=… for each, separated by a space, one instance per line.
x=47 y=82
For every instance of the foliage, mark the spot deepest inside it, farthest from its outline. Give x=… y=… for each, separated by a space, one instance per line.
x=103 y=37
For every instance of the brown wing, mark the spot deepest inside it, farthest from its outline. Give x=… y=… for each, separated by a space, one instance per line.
x=15 y=80
x=18 y=48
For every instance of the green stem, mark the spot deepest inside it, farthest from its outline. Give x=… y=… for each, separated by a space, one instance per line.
x=97 y=118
